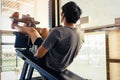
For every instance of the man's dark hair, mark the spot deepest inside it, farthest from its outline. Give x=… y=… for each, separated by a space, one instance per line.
x=72 y=12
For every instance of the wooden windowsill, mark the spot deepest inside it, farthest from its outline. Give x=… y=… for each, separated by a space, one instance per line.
x=102 y=28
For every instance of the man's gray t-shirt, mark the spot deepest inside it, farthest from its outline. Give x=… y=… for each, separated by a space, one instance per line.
x=63 y=44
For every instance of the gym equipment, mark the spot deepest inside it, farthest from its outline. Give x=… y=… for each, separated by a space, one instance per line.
x=30 y=61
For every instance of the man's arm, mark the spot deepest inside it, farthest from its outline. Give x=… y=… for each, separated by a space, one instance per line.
x=41 y=51
x=48 y=43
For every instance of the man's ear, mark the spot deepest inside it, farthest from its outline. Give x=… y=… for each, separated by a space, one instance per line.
x=62 y=17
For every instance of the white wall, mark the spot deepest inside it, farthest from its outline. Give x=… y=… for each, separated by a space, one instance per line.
x=100 y=12
x=0 y=13
x=42 y=12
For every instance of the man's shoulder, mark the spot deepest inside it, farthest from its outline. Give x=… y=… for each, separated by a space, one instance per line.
x=59 y=28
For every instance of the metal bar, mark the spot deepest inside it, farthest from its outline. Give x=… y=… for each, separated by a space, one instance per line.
x=29 y=76
x=7 y=43
x=16 y=61
x=24 y=71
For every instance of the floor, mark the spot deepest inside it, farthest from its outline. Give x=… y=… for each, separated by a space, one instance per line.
x=14 y=75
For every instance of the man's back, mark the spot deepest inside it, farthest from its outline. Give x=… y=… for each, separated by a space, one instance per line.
x=63 y=47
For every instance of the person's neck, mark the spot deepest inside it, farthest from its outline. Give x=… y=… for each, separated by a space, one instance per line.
x=71 y=25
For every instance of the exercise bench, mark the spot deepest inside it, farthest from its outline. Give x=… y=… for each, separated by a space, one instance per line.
x=30 y=64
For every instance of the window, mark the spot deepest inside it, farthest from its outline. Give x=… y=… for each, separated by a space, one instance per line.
x=91 y=59
x=36 y=8
x=100 y=12
x=10 y=6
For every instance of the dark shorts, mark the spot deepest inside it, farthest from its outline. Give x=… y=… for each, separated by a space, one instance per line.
x=38 y=41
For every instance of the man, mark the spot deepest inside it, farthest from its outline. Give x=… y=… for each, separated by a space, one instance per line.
x=61 y=44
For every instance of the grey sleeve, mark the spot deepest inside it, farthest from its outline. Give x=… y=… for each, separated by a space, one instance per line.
x=51 y=39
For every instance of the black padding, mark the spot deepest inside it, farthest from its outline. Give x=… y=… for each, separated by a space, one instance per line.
x=68 y=75
x=22 y=40
x=38 y=41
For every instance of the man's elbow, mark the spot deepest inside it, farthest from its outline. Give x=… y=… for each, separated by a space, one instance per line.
x=39 y=55
x=41 y=52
